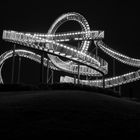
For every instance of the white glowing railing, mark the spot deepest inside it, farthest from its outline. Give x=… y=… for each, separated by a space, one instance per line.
x=52 y=38
x=120 y=57
x=33 y=37
x=26 y=54
x=30 y=41
x=61 y=37
x=109 y=82
x=72 y=16
x=113 y=81
x=37 y=58
x=90 y=65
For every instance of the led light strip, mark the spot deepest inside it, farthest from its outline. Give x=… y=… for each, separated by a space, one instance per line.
x=62 y=37
x=31 y=42
x=59 y=37
x=109 y=82
x=32 y=38
x=118 y=56
x=113 y=81
x=37 y=58
x=89 y=64
x=84 y=45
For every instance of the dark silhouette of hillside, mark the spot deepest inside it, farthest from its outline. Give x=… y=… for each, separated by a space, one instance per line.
x=64 y=112
x=56 y=86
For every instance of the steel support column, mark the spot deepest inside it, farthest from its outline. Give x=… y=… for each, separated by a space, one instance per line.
x=52 y=76
x=47 y=80
x=13 y=64
x=74 y=79
x=114 y=73
x=78 y=73
x=42 y=69
x=96 y=54
x=103 y=81
x=120 y=91
x=19 y=69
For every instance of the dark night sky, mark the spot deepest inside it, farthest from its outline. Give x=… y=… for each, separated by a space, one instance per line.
x=119 y=20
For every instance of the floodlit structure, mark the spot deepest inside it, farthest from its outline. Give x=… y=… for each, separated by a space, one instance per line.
x=78 y=60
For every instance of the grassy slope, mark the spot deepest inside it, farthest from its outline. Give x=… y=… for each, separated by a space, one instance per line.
x=45 y=113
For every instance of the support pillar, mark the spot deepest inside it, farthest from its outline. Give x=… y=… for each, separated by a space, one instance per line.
x=96 y=55
x=47 y=80
x=103 y=81
x=13 y=64
x=42 y=69
x=114 y=72
x=74 y=79
x=120 y=91
x=19 y=69
x=87 y=79
x=78 y=74
x=78 y=66
x=52 y=76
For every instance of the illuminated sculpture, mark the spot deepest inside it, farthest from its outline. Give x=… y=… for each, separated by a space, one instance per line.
x=79 y=61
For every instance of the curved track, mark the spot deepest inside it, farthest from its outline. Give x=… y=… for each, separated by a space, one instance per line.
x=52 y=44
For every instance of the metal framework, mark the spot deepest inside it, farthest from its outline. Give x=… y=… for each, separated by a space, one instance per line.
x=79 y=60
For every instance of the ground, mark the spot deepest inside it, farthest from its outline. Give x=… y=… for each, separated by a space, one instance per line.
x=67 y=113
